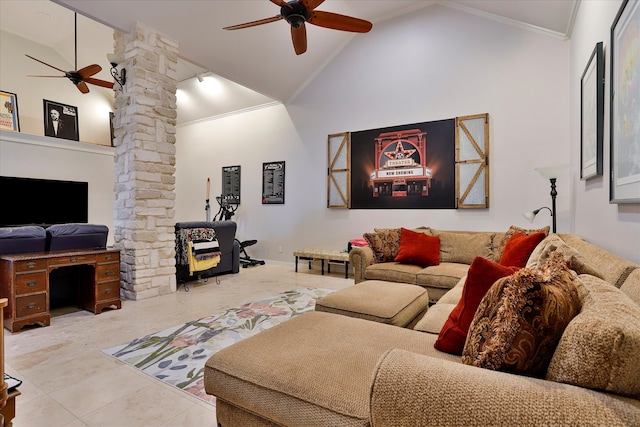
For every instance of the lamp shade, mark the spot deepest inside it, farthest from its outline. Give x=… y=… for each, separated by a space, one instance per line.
x=551 y=172
x=530 y=216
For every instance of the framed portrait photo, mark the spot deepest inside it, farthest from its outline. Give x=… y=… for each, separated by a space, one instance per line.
x=60 y=120
x=592 y=115
x=625 y=105
x=9 y=111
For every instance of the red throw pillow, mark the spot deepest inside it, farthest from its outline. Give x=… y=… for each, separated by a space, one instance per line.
x=418 y=248
x=481 y=276
x=519 y=247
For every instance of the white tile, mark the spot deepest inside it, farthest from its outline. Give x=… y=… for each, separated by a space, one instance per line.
x=68 y=381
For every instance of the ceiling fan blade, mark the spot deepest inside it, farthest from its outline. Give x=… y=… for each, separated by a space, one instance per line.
x=82 y=87
x=254 y=23
x=31 y=75
x=311 y=4
x=99 y=82
x=299 y=38
x=48 y=65
x=336 y=21
x=282 y=3
x=89 y=71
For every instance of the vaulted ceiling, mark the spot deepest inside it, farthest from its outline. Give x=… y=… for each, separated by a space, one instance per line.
x=258 y=64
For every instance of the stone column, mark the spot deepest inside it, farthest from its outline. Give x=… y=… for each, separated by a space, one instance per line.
x=144 y=129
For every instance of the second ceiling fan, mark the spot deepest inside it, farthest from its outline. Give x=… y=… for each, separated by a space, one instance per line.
x=80 y=77
x=297 y=12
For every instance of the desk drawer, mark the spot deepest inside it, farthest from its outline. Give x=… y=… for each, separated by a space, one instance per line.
x=72 y=260
x=111 y=256
x=107 y=272
x=31 y=265
x=31 y=305
x=108 y=291
x=31 y=283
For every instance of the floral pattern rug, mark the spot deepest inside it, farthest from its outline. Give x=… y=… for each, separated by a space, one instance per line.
x=177 y=355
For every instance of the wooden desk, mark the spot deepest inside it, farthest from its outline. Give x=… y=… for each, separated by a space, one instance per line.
x=8 y=411
x=24 y=280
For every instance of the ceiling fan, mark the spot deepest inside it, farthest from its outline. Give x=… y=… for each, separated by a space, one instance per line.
x=297 y=12
x=80 y=77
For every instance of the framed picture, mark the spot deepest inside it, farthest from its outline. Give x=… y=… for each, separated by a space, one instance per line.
x=625 y=105
x=231 y=184
x=592 y=115
x=273 y=183
x=60 y=120
x=9 y=111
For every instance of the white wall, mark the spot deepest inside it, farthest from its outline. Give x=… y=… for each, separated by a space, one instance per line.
x=436 y=63
x=615 y=227
x=93 y=108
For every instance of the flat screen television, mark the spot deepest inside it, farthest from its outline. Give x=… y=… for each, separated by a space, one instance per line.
x=29 y=201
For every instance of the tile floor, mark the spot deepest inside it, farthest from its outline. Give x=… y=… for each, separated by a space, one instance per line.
x=69 y=382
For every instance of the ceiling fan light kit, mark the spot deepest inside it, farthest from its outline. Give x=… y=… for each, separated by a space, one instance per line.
x=297 y=12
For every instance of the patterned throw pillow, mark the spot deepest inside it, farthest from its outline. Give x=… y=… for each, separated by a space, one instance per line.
x=521 y=319
x=481 y=276
x=385 y=243
x=577 y=262
x=513 y=230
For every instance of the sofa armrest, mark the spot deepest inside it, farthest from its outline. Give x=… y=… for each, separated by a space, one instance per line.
x=360 y=258
x=410 y=389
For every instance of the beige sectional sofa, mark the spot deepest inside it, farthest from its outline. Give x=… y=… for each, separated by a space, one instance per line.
x=325 y=369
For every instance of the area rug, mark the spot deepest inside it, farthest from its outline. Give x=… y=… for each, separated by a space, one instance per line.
x=177 y=355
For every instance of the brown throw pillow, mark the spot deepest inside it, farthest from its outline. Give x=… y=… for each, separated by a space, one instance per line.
x=553 y=242
x=385 y=243
x=521 y=319
x=510 y=232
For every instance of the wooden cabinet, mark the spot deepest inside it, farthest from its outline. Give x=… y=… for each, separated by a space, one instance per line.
x=24 y=281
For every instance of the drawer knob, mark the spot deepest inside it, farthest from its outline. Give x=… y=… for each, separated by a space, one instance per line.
x=74 y=259
x=108 y=291
x=108 y=273
x=31 y=265
x=31 y=306
x=31 y=283
x=108 y=257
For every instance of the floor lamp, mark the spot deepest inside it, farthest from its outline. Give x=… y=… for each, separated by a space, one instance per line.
x=551 y=173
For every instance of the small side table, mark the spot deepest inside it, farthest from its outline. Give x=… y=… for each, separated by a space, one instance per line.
x=331 y=256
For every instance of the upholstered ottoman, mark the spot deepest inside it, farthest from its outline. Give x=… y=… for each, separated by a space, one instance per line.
x=393 y=303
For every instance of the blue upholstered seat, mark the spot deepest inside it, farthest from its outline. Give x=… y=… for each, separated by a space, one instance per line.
x=76 y=236
x=18 y=240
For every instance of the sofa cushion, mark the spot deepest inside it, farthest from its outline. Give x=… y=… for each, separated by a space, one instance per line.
x=385 y=243
x=463 y=246
x=600 y=349
x=553 y=242
x=519 y=247
x=510 y=232
x=384 y=302
x=393 y=272
x=315 y=369
x=418 y=248
x=435 y=318
x=481 y=276
x=521 y=319
x=446 y=275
